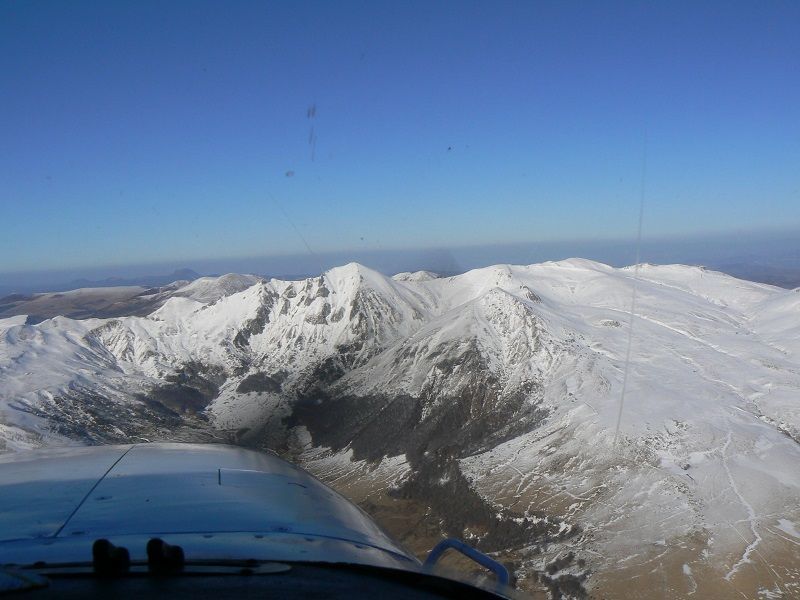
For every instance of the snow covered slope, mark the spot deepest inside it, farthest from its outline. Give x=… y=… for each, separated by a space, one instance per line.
x=106 y=302
x=500 y=385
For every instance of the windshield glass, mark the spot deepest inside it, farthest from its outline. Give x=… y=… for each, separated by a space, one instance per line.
x=521 y=274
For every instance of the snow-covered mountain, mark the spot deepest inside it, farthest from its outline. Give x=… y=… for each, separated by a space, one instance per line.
x=483 y=405
x=127 y=300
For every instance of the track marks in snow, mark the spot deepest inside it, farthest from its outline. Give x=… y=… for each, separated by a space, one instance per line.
x=752 y=519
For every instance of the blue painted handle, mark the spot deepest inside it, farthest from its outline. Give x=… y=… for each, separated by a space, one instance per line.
x=479 y=557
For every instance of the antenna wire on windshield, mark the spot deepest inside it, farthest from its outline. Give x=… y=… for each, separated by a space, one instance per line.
x=633 y=293
x=299 y=234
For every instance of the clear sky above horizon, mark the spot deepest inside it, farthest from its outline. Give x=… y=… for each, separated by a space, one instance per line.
x=135 y=132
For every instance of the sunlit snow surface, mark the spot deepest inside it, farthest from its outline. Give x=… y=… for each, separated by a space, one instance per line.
x=704 y=485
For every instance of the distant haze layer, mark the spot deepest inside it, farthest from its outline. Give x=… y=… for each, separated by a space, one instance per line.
x=767 y=257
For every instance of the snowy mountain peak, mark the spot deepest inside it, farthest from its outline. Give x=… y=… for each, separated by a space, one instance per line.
x=351 y=271
x=211 y=289
x=415 y=276
x=582 y=264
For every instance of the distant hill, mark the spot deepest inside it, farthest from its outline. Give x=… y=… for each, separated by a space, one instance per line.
x=144 y=281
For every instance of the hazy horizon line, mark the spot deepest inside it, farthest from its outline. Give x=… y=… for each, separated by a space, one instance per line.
x=734 y=252
x=186 y=262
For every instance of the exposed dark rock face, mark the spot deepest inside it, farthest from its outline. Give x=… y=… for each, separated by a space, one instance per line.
x=312 y=293
x=320 y=318
x=434 y=432
x=258 y=323
x=530 y=294
x=95 y=419
x=179 y=398
x=564 y=585
x=186 y=392
x=439 y=482
x=258 y=382
x=478 y=418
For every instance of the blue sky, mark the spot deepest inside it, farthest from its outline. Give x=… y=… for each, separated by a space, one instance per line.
x=143 y=132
